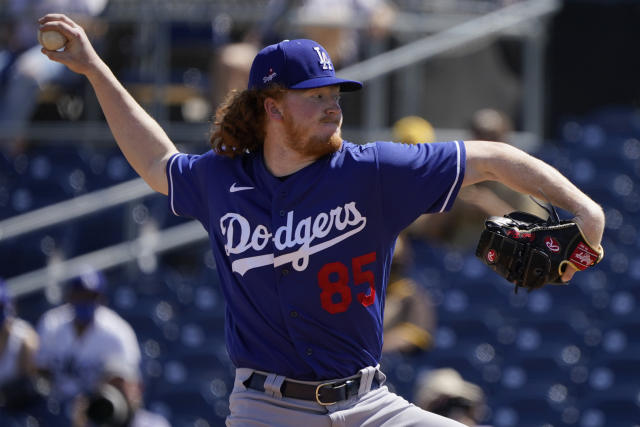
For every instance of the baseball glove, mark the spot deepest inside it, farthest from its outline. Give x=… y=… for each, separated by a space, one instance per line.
x=531 y=252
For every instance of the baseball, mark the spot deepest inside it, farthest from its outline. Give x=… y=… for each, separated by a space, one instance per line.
x=51 y=40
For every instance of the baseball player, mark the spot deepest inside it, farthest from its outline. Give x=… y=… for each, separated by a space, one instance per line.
x=18 y=345
x=79 y=337
x=302 y=225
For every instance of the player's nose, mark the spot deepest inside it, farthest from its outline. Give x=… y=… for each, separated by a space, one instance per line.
x=333 y=107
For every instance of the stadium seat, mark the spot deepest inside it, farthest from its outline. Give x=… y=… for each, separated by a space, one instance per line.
x=610 y=410
x=183 y=404
x=533 y=411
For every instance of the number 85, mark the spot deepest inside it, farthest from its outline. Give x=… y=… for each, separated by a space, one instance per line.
x=339 y=271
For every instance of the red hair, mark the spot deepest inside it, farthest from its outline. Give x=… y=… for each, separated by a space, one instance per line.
x=239 y=124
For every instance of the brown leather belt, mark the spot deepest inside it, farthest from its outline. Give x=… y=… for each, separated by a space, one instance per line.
x=324 y=393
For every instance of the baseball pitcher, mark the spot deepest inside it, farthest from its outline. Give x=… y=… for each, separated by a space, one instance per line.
x=302 y=225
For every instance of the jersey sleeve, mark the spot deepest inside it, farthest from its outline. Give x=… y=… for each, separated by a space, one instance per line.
x=186 y=186
x=419 y=178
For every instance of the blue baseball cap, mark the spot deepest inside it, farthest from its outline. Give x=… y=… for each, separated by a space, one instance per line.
x=296 y=64
x=5 y=298
x=90 y=280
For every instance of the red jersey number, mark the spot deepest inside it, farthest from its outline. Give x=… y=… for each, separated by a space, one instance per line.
x=333 y=279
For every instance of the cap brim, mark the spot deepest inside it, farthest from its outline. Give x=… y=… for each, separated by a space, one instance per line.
x=345 y=85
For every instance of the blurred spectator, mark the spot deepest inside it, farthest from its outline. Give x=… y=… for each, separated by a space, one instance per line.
x=409 y=315
x=80 y=336
x=463 y=224
x=231 y=64
x=413 y=130
x=332 y=23
x=492 y=125
x=117 y=401
x=24 y=70
x=488 y=124
x=328 y=22
x=18 y=344
x=444 y=392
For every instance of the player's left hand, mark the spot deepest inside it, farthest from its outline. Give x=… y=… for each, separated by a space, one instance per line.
x=531 y=252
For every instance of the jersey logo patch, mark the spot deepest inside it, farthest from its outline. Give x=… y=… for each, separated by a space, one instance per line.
x=234 y=189
x=241 y=236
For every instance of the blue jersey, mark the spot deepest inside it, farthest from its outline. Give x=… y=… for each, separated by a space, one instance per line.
x=304 y=261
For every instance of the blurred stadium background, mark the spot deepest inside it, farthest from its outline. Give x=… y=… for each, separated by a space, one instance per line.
x=565 y=71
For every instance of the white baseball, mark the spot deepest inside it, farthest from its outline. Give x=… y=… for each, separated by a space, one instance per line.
x=51 y=40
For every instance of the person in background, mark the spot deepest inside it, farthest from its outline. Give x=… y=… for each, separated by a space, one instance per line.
x=23 y=69
x=413 y=130
x=409 y=314
x=488 y=124
x=332 y=23
x=444 y=392
x=345 y=28
x=18 y=344
x=79 y=337
x=461 y=227
x=117 y=401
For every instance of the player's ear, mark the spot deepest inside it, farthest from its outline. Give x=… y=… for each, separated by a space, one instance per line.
x=273 y=109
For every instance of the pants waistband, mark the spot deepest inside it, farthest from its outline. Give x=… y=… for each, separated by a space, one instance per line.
x=324 y=393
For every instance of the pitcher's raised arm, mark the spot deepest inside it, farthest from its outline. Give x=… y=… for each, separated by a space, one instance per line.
x=141 y=139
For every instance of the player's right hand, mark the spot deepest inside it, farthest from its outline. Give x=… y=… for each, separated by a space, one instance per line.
x=78 y=53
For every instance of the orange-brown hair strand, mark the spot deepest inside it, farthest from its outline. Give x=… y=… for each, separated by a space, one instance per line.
x=239 y=124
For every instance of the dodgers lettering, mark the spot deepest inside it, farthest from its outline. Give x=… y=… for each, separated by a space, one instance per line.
x=240 y=237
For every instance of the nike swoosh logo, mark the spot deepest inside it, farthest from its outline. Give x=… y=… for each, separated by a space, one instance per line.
x=233 y=188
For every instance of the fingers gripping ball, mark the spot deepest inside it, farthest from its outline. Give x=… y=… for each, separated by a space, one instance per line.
x=531 y=252
x=51 y=40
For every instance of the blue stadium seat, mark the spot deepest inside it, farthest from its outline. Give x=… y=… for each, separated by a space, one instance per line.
x=206 y=363
x=620 y=339
x=22 y=254
x=551 y=340
x=538 y=377
x=183 y=404
x=519 y=411
x=31 y=307
x=610 y=410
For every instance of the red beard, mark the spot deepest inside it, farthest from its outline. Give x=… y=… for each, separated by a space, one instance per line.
x=311 y=146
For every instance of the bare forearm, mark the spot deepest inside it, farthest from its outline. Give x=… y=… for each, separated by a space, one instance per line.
x=528 y=175
x=141 y=139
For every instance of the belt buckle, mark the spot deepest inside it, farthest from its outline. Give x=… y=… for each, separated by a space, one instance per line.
x=318 y=395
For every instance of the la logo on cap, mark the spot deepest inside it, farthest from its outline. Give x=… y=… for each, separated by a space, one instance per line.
x=324 y=59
